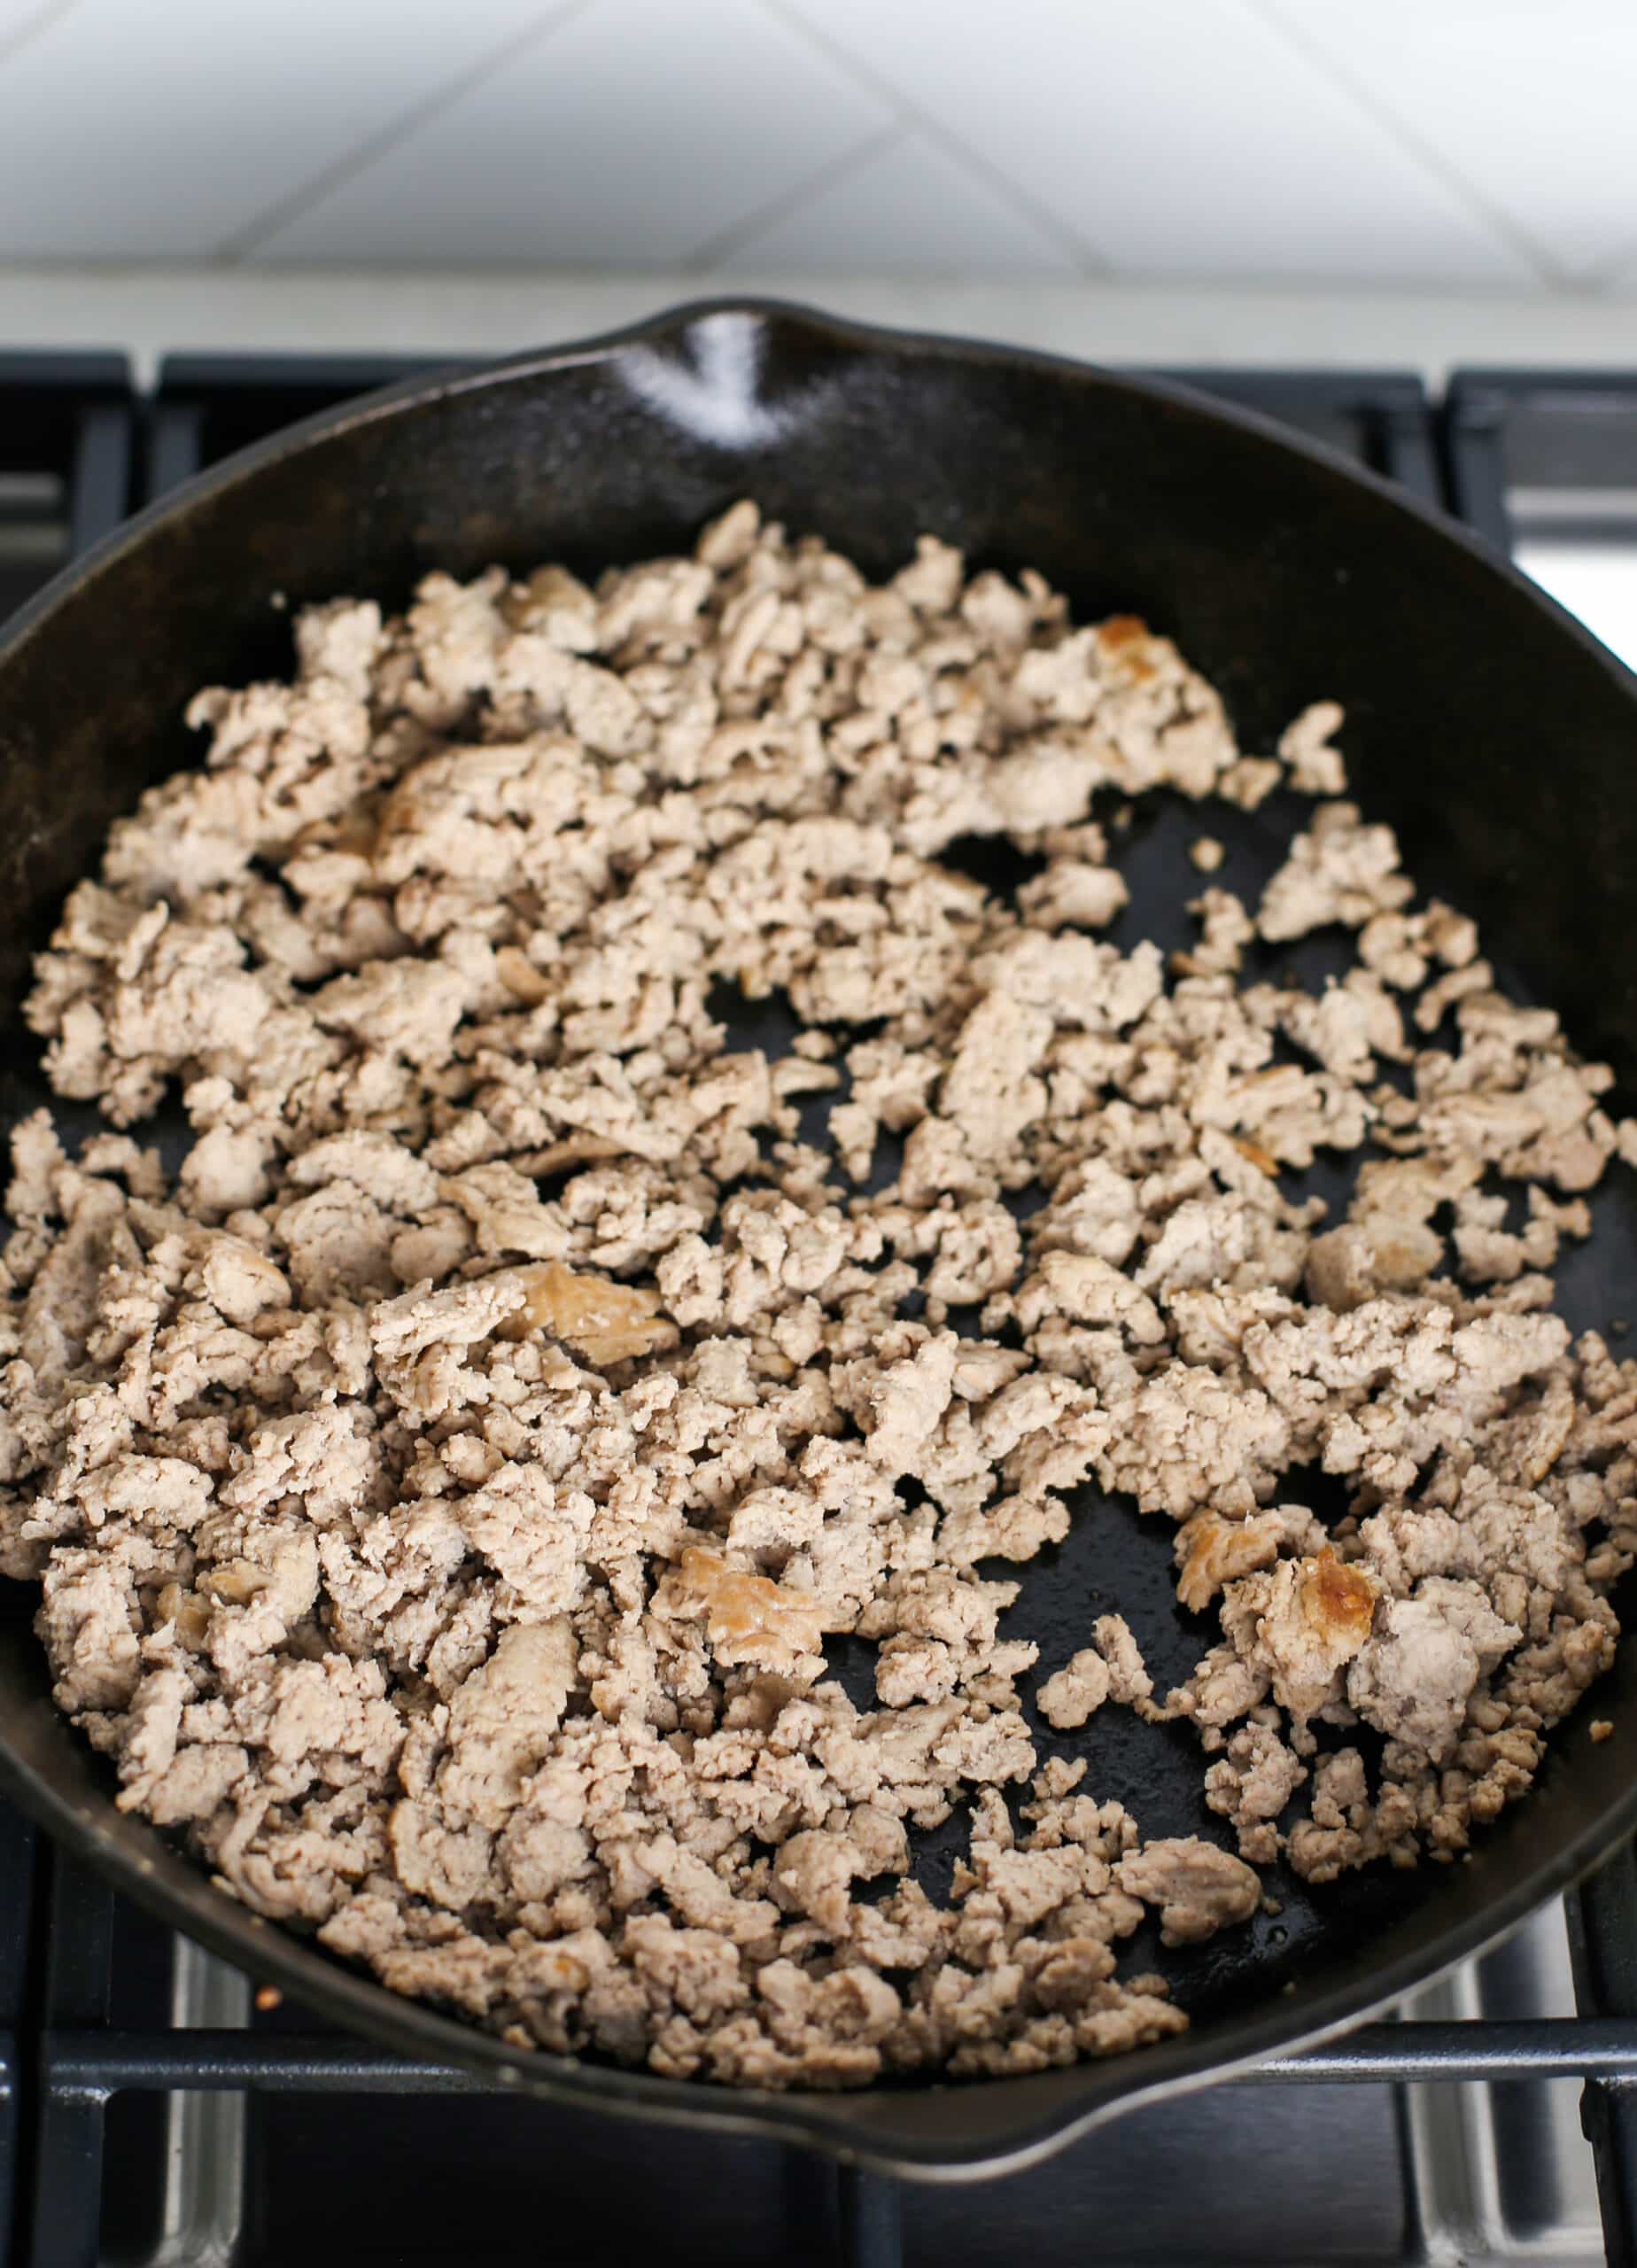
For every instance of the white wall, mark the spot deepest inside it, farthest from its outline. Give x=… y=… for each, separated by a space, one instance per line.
x=1489 y=146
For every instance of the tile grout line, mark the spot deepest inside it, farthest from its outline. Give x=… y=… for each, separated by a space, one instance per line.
x=1599 y=280
x=742 y=233
x=1091 y=262
x=255 y=232
x=32 y=26
x=1427 y=156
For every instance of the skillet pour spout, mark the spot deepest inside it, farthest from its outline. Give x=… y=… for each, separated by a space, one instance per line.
x=1483 y=725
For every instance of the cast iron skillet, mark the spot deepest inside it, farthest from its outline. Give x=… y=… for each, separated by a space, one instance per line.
x=1482 y=722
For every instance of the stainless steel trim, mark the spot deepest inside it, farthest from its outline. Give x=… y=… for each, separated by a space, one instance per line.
x=1502 y=2174
x=202 y=2214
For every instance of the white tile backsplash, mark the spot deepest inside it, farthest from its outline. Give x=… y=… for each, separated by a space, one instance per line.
x=640 y=132
x=910 y=207
x=21 y=19
x=153 y=129
x=1530 y=102
x=1179 y=138
x=1477 y=144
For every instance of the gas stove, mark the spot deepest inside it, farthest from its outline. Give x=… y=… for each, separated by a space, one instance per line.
x=157 y=2108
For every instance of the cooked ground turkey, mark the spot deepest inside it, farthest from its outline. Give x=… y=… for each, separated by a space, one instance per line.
x=445 y=1487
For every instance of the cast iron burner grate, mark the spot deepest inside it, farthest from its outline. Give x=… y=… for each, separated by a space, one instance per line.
x=67 y=422
x=149 y=2112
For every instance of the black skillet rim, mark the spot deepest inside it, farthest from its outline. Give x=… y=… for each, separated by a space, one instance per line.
x=985 y=2142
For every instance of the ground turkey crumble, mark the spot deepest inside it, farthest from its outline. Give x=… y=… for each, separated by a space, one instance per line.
x=444 y=1488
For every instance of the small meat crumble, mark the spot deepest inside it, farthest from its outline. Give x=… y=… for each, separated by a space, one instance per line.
x=445 y=1487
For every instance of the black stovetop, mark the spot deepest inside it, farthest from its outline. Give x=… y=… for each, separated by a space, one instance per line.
x=331 y=2155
